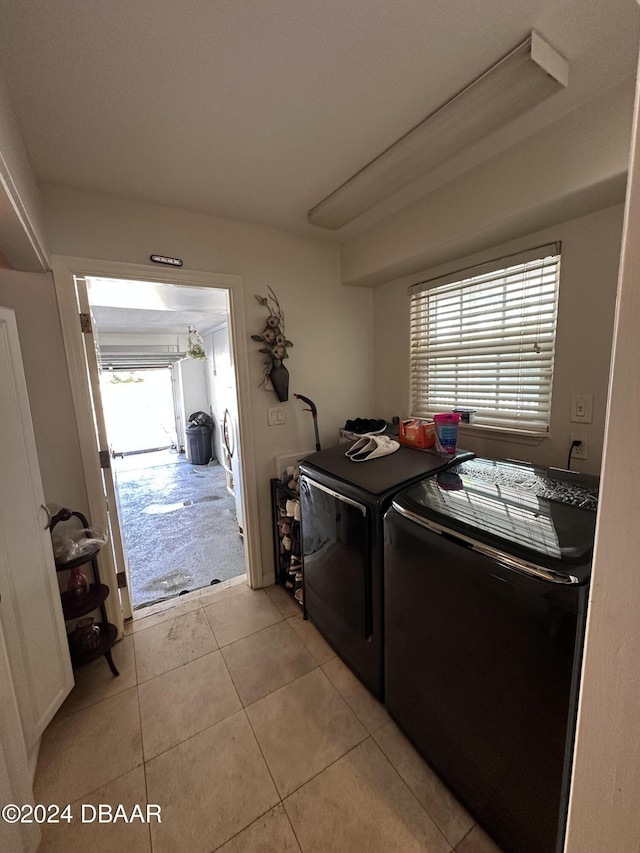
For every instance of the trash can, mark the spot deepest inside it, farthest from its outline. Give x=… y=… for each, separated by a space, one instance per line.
x=198 y=439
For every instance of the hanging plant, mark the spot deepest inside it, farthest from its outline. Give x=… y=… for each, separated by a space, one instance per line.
x=195 y=346
x=274 y=346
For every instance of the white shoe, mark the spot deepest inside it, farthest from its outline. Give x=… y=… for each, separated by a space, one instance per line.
x=380 y=445
x=296 y=511
x=291 y=505
x=360 y=446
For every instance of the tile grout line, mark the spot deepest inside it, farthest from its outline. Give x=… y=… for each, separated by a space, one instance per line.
x=191 y=737
x=275 y=690
x=370 y=737
x=200 y=596
x=159 y=613
x=179 y=601
x=94 y=704
x=350 y=706
x=260 y=698
x=137 y=685
x=266 y=628
x=465 y=836
x=206 y=728
x=367 y=736
x=264 y=758
x=144 y=763
x=320 y=772
x=251 y=633
x=172 y=668
x=240 y=831
x=406 y=785
x=243 y=707
x=195 y=734
x=83 y=797
x=282 y=799
x=295 y=834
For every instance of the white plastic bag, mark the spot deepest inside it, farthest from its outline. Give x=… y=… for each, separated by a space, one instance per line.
x=69 y=545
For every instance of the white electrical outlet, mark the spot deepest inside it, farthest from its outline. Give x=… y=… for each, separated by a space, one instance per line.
x=582 y=450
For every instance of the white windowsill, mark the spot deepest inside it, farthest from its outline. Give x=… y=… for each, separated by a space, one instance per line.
x=496 y=434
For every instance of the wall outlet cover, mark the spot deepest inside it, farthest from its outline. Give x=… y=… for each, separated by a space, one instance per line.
x=582 y=451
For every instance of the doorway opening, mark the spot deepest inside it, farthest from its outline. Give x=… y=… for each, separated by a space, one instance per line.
x=177 y=501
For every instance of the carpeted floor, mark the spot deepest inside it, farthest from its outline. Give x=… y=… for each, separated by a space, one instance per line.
x=179 y=525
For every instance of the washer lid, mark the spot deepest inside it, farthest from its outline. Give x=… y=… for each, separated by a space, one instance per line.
x=542 y=514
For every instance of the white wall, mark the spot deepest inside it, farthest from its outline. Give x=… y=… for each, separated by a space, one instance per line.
x=574 y=166
x=331 y=326
x=222 y=397
x=589 y=269
x=32 y=297
x=21 y=226
x=193 y=392
x=219 y=378
x=603 y=811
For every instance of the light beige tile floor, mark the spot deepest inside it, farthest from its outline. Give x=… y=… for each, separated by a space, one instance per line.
x=237 y=719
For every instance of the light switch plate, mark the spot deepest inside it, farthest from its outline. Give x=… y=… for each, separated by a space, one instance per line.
x=276 y=416
x=581 y=408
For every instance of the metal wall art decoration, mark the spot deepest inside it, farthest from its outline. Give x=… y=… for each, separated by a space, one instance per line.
x=274 y=346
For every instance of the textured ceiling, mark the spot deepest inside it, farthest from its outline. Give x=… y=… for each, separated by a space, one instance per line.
x=256 y=110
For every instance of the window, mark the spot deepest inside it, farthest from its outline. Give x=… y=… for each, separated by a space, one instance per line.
x=484 y=339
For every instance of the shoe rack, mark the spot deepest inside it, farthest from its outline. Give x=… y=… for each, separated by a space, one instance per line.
x=287 y=540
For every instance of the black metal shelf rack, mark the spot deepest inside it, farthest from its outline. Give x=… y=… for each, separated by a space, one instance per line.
x=287 y=541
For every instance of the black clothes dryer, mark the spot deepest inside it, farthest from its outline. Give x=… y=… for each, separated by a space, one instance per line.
x=343 y=504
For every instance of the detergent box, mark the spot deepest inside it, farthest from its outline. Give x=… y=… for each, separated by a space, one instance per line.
x=417 y=432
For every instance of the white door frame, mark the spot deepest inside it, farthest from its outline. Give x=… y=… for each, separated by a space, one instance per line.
x=64 y=269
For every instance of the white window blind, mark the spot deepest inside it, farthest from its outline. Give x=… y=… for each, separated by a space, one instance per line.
x=484 y=339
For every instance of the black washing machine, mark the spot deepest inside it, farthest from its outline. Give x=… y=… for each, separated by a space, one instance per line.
x=487 y=571
x=343 y=504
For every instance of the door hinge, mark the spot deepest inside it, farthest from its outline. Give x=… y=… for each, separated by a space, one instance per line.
x=121 y=578
x=85 y=324
x=105 y=459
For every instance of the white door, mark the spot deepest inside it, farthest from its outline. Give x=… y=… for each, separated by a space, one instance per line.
x=93 y=369
x=30 y=609
x=15 y=779
x=227 y=402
